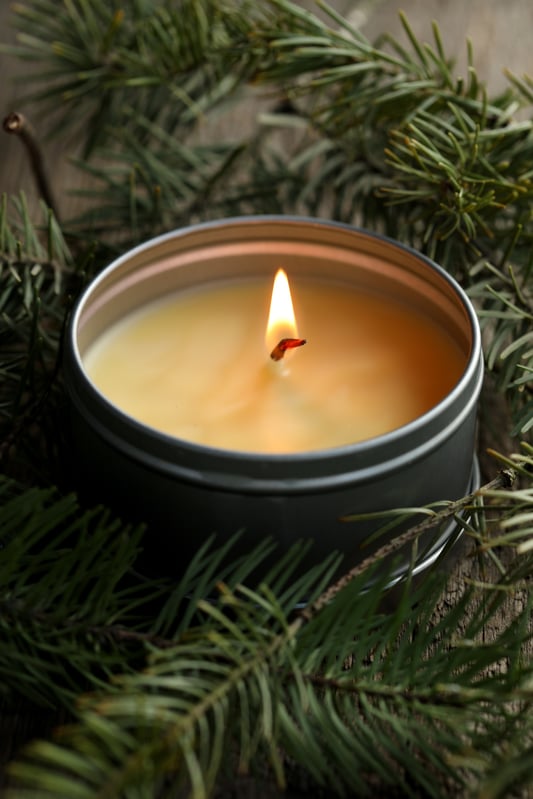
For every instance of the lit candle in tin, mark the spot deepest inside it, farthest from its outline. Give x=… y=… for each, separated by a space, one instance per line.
x=196 y=365
x=183 y=420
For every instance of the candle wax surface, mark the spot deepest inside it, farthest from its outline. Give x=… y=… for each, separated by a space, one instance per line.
x=195 y=365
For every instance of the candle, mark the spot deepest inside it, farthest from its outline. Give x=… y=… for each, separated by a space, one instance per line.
x=196 y=365
x=182 y=419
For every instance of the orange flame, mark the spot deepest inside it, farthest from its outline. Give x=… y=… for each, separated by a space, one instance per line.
x=281 y=319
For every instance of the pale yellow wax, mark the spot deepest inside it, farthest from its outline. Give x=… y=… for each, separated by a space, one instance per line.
x=195 y=366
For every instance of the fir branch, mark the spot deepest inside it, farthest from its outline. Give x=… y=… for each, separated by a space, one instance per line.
x=460 y=202
x=62 y=576
x=35 y=272
x=73 y=605
x=96 y=61
x=147 y=187
x=504 y=479
x=170 y=727
x=397 y=128
x=252 y=678
x=505 y=310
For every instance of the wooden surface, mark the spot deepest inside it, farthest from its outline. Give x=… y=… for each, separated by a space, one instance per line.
x=500 y=33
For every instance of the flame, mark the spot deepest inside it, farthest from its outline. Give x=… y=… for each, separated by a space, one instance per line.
x=281 y=319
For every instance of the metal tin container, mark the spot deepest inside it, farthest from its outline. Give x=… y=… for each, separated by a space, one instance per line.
x=185 y=491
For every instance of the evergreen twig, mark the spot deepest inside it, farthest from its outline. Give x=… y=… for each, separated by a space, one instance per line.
x=504 y=479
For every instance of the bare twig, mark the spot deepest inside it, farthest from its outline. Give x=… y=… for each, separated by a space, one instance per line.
x=17 y=123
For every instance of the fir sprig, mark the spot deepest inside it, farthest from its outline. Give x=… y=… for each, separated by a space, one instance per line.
x=35 y=266
x=455 y=166
x=252 y=674
x=63 y=595
x=505 y=311
x=97 y=57
x=341 y=693
x=150 y=186
x=385 y=124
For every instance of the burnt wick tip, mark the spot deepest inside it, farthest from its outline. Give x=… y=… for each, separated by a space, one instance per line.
x=286 y=344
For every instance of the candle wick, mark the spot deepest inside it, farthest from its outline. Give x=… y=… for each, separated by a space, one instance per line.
x=286 y=344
